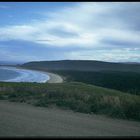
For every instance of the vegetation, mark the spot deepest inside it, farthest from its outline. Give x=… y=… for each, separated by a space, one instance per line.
x=89 y=88
x=76 y=96
x=83 y=65
x=120 y=76
x=123 y=81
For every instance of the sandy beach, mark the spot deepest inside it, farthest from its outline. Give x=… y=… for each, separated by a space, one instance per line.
x=54 y=78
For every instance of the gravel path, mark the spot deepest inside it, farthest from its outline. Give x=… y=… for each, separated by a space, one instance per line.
x=18 y=119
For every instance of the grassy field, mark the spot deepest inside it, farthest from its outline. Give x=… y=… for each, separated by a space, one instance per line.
x=76 y=96
x=123 y=81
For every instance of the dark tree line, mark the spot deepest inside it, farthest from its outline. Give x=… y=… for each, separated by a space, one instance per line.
x=123 y=81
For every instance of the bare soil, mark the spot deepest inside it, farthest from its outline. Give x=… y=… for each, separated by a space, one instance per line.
x=19 y=119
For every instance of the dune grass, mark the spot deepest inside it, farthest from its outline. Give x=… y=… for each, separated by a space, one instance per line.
x=76 y=96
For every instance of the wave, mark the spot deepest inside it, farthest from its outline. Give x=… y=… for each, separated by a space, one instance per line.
x=27 y=75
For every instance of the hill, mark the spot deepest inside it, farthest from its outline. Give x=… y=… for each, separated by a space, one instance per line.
x=121 y=76
x=120 y=80
x=82 y=65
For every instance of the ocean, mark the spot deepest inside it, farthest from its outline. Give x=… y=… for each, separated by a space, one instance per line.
x=13 y=74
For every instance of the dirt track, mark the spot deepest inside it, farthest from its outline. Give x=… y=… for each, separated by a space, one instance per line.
x=18 y=119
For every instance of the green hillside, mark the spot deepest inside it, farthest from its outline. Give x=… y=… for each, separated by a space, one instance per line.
x=76 y=96
x=88 y=88
x=119 y=80
x=120 y=76
x=83 y=65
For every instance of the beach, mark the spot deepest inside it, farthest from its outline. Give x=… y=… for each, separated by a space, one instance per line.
x=28 y=75
x=54 y=78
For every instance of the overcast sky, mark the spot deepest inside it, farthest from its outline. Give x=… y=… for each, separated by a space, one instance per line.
x=32 y=31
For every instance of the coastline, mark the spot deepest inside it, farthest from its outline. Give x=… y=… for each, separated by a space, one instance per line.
x=53 y=78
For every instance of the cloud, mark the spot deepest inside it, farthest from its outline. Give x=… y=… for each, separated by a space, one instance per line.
x=88 y=22
x=46 y=31
x=114 y=55
x=20 y=50
x=120 y=43
x=87 y=26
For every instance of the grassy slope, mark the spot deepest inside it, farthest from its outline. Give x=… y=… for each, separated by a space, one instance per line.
x=123 y=81
x=76 y=96
x=79 y=96
x=119 y=76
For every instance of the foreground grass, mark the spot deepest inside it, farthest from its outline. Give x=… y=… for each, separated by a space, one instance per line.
x=76 y=96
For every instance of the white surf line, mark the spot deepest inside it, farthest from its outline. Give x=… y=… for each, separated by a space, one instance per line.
x=27 y=75
x=53 y=78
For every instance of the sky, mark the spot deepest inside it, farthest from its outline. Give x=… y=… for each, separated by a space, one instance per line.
x=36 y=31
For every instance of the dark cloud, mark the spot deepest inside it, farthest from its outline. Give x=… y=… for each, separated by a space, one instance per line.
x=27 y=50
x=128 y=14
x=61 y=32
x=117 y=15
x=119 y=43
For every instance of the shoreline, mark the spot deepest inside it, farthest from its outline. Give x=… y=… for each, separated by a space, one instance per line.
x=53 y=78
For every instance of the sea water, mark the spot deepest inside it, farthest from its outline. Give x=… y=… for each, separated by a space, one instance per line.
x=13 y=74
